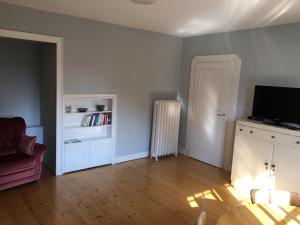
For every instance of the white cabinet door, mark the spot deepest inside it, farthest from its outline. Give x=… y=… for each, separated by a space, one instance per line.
x=100 y=152
x=287 y=168
x=248 y=166
x=76 y=156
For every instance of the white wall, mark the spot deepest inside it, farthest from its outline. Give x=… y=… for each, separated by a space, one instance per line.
x=270 y=56
x=138 y=65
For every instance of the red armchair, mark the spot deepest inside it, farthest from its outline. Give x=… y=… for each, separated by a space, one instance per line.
x=17 y=168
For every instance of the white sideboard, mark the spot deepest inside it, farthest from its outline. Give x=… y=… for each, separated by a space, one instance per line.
x=266 y=157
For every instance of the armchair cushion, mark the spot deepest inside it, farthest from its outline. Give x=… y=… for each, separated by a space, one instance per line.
x=14 y=163
x=26 y=144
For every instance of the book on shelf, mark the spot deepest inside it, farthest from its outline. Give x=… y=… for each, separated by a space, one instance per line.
x=91 y=121
x=96 y=119
x=108 y=118
x=85 y=121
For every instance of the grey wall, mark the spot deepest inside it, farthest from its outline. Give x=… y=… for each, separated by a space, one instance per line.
x=48 y=101
x=137 y=65
x=140 y=66
x=270 y=56
x=20 y=80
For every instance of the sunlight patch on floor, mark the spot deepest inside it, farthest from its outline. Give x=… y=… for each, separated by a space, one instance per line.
x=272 y=214
x=262 y=216
x=191 y=200
x=244 y=199
x=208 y=194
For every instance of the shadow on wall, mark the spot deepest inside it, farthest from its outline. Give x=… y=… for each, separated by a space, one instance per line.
x=48 y=101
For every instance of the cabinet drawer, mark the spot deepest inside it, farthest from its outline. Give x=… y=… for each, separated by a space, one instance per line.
x=281 y=138
x=293 y=141
x=248 y=131
x=240 y=129
x=273 y=136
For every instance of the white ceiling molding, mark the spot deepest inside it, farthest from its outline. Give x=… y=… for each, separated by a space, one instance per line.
x=177 y=17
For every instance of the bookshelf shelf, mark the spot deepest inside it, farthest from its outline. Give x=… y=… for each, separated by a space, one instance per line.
x=72 y=141
x=88 y=112
x=80 y=127
x=89 y=137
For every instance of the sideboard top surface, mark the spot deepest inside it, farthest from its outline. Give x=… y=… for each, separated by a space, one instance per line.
x=260 y=125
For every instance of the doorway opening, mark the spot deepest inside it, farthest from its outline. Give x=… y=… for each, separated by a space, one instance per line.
x=31 y=71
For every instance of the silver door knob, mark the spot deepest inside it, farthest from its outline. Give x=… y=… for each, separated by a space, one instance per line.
x=221 y=114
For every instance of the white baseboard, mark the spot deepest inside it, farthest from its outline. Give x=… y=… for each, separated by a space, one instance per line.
x=140 y=155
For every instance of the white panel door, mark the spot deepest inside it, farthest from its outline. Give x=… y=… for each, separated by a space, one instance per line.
x=251 y=163
x=286 y=171
x=76 y=156
x=100 y=152
x=211 y=100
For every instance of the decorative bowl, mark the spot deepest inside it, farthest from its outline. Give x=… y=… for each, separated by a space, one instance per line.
x=82 y=109
x=100 y=107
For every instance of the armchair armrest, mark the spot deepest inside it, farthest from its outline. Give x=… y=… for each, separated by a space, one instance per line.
x=39 y=149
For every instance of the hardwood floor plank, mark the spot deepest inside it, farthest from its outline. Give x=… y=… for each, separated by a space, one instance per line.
x=171 y=191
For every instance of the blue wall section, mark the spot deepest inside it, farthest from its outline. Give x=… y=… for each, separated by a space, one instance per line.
x=270 y=56
x=20 y=80
x=137 y=65
x=141 y=66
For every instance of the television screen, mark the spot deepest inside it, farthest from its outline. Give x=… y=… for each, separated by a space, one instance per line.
x=278 y=104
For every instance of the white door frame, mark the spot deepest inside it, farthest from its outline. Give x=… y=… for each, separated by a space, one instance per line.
x=228 y=142
x=59 y=83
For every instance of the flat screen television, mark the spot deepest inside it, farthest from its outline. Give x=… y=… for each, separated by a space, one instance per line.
x=280 y=105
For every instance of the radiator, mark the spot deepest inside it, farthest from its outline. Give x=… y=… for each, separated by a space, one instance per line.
x=165 y=128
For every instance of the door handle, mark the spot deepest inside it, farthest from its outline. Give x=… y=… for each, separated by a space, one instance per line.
x=266 y=165
x=273 y=166
x=221 y=114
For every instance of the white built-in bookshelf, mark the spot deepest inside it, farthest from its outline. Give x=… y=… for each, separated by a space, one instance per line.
x=89 y=137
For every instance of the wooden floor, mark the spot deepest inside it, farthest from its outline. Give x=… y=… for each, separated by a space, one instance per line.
x=171 y=191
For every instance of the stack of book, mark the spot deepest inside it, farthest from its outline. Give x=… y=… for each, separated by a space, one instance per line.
x=96 y=119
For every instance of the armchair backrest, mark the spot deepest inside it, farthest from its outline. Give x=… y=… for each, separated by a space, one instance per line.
x=11 y=130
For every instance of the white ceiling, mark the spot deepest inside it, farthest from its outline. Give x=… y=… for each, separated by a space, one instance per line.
x=177 y=17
